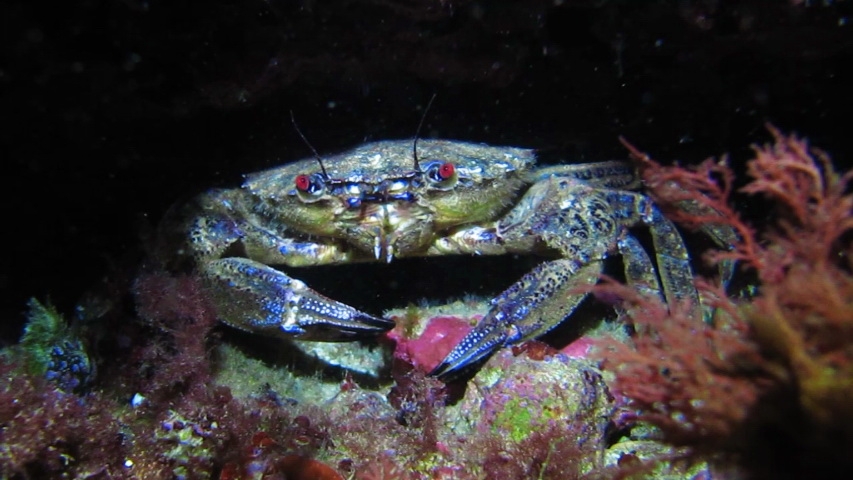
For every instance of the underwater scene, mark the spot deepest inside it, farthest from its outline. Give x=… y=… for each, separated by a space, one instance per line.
x=427 y=239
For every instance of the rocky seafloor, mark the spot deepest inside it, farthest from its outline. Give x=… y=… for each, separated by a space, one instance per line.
x=147 y=384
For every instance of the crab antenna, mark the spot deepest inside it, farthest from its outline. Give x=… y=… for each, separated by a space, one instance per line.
x=418 y=133
x=316 y=155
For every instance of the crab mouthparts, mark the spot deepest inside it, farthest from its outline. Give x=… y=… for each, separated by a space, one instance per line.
x=386 y=224
x=384 y=243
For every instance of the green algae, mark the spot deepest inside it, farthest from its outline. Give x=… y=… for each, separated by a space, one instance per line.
x=45 y=327
x=516 y=420
x=51 y=349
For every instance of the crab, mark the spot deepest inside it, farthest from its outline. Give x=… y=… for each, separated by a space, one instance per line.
x=398 y=198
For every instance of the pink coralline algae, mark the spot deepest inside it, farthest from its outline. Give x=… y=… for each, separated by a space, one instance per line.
x=429 y=348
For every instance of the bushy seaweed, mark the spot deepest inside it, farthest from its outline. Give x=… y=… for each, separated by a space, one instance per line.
x=767 y=384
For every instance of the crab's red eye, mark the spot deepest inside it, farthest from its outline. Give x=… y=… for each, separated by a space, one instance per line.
x=303 y=182
x=310 y=187
x=441 y=175
x=446 y=170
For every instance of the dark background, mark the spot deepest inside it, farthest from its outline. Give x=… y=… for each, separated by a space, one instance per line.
x=111 y=111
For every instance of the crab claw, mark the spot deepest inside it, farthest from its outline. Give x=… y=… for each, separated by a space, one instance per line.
x=488 y=336
x=530 y=307
x=259 y=299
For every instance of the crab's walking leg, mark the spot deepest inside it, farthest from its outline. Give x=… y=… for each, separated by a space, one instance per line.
x=614 y=174
x=640 y=272
x=671 y=256
x=724 y=236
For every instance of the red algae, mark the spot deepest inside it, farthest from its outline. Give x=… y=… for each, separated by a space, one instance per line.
x=425 y=352
x=767 y=384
